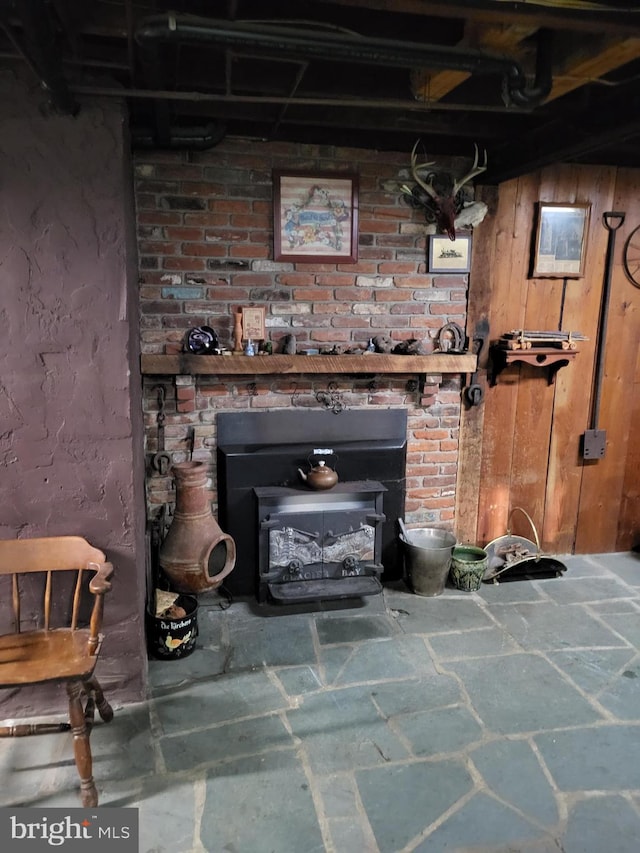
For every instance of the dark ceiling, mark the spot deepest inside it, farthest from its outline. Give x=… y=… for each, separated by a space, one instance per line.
x=533 y=82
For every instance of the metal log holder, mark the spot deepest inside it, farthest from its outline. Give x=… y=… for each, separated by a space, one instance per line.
x=513 y=557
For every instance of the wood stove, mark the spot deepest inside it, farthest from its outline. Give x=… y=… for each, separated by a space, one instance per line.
x=265 y=449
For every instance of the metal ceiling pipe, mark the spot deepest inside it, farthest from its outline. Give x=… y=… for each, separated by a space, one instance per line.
x=195 y=138
x=41 y=54
x=544 y=79
x=268 y=38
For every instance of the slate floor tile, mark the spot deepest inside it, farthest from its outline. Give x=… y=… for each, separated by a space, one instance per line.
x=414 y=648
x=299 y=679
x=127 y=751
x=622 y=696
x=627 y=605
x=348 y=834
x=332 y=661
x=456 y=728
x=586 y=590
x=271 y=642
x=339 y=795
x=592 y=669
x=210 y=626
x=376 y=662
x=512 y=771
x=602 y=824
x=481 y=823
x=583 y=566
x=208 y=746
x=545 y=626
x=625 y=565
x=341 y=729
x=260 y=803
x=123 y=753
x=172 y=807
x=416 y=695
x=603 y=758
x=401 y=801
x=510 y=592
x=226 y=698
x=442 y=614
x=524 y=693
x=206 y=664
x=481 y=643
x=353 y=629
x=23 y=760
x=625 y=624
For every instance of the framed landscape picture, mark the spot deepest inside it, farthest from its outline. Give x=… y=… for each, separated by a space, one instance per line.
x=560 y=240
x=447 y=255
x=315 y=217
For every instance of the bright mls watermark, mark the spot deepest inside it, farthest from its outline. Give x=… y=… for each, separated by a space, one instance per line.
x=34 y=830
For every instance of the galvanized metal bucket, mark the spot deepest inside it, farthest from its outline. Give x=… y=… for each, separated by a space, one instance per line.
x=427 y=558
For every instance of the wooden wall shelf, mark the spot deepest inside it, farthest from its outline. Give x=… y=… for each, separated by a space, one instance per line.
x=245 y=365
x=550 y=358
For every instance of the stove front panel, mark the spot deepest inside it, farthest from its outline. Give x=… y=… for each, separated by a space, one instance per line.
x=322 y=538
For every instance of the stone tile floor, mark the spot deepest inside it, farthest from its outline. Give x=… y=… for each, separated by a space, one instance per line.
x=501 y=721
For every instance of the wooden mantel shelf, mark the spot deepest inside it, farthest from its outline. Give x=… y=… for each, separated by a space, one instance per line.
x=185 y=364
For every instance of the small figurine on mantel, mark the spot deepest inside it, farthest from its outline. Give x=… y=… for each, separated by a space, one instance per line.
x=237 y=332
x=289 y=345
x=383 y=344
x=412 y=346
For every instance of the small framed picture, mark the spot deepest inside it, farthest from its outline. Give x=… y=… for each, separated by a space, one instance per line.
x=561 y=240
x=447 y=255
x=253 y=323
x=315 y=217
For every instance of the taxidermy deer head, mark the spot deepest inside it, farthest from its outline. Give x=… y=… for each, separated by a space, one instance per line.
x=438 y=194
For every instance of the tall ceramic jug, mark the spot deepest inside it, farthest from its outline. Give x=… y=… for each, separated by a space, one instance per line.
x=196 y=556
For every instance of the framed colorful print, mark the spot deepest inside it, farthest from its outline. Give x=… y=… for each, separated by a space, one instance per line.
x=447 y=255
x=315 y=217
x=561 y=240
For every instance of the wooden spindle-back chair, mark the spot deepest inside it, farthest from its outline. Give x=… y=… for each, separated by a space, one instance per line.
x=42 y=651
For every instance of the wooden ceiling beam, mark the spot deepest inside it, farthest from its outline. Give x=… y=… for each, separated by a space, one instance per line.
x=489 y=11
x=427 y=85
x=579 y=69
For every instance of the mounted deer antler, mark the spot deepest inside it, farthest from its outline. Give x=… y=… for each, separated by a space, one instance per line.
x=441 y=197
x=475 y=170
x=415 y=166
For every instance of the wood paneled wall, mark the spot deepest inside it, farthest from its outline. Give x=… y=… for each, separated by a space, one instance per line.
x=521 y=446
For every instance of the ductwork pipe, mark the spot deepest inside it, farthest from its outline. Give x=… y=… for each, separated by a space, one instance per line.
x=195 y=138
x=40 y=52
x=270 y=39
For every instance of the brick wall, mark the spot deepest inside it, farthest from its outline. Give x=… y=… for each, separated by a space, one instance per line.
x=206 y=248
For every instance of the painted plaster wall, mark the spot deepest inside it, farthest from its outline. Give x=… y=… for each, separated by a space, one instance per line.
x=70 y=436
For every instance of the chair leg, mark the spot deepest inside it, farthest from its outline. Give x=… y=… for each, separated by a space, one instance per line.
x=104 y=708
x=81 y=745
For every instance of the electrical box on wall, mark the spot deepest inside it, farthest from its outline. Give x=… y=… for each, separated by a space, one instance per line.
x=594 y=444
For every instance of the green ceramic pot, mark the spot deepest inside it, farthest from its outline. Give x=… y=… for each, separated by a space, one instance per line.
x=468 y=565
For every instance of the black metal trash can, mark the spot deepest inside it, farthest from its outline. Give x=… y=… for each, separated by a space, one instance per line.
x=169 y=638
